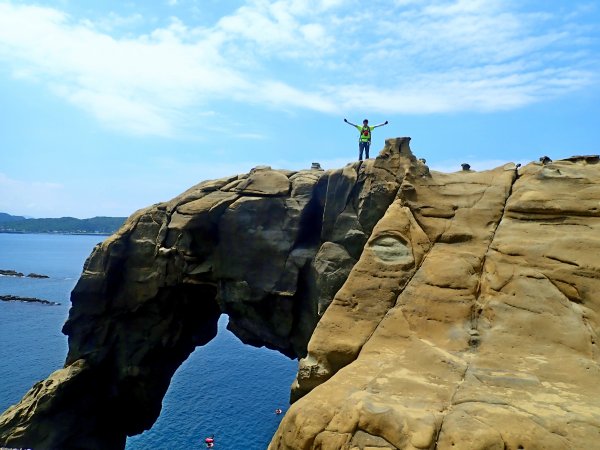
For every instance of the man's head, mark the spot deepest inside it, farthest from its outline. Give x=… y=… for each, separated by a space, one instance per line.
x=365 y=122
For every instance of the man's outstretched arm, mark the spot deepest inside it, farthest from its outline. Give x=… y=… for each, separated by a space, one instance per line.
x=350 y=123
x=381 y=124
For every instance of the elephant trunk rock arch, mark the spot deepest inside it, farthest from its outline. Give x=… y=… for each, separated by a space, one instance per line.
x=269 y=248
x=428 y=310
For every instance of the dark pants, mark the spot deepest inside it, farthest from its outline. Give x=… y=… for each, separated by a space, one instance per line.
x=363 y=145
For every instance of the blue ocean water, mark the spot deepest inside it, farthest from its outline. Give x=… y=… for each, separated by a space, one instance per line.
x=224 y=388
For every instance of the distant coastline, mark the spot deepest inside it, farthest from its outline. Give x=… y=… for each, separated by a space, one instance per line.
x=100 y=226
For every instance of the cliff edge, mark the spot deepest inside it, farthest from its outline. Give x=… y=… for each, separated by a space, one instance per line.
x=428 y=310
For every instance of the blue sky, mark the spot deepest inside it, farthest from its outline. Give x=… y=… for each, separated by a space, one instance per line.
x=110 y=106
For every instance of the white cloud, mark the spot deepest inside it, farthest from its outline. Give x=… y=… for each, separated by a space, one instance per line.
x=32 y=197
x=112 y=22
x=478 y=89
x=412 y=57
x=119 y=112
x=52 y=199
x=281 y=94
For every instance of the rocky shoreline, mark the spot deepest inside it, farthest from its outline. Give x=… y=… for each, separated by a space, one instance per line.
x=14 y=273
x=16 y=298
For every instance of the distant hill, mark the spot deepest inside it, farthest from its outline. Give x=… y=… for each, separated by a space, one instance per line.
x=8 y=218
x=70 y=225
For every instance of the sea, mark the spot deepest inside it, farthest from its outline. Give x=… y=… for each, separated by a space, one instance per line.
x=225 y=388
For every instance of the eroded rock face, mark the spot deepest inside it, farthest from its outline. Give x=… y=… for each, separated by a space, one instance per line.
x=269 y=248
x=470 y=321
x=428 y=310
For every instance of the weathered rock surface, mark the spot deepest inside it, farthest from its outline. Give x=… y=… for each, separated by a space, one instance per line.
x=17 y=298
x=14 y=273
x=428 y=310
x=469 y=322
x=11 y=273
x=269 y=248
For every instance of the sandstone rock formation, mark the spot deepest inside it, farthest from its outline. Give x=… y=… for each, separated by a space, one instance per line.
x=428 y=310
x=474 y=310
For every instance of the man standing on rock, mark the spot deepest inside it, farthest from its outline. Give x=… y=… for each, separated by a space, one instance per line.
x=364 y=140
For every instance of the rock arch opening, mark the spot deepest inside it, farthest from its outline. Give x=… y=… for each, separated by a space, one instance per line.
x=226 y=388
